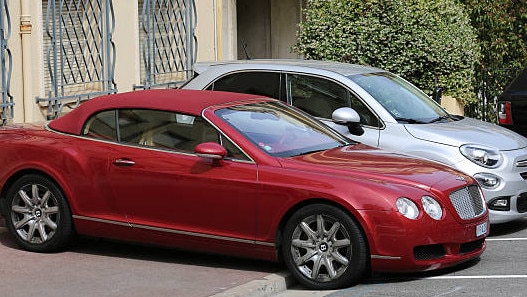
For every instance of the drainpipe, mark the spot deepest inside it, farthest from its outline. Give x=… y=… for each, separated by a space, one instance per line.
x=25 y=34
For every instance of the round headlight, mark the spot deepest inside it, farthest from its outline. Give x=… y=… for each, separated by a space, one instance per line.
x=481 y=155
x=432 y=207
x=407 y=208
x=488 y=180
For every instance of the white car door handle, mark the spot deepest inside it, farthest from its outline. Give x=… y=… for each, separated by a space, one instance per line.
x=123 y=162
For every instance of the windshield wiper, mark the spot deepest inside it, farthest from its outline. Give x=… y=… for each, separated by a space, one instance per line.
x=326 y=149
x=440 y=118
x=310 y=152
x=410 y=121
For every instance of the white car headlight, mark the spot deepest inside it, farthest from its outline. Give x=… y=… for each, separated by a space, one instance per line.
x=481 y=155
x=407 y=208
x=432 y=207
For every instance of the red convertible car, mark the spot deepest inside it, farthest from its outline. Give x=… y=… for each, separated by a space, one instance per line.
x=235 y=174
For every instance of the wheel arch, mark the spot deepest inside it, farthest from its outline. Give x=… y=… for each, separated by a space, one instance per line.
x=23 y=172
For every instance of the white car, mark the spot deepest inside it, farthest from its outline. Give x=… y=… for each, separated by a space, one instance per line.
x=394 y=115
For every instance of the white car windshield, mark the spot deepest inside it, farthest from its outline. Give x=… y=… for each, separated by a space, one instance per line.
x=280 y=130
x=405 y=102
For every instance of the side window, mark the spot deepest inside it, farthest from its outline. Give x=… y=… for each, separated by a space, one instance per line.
x=233 y=151
x=169 y=130
x=163 y=129
x=367 y=117
x=101 y=126
x=320 y=97
x=257 y=83
x=316 y=96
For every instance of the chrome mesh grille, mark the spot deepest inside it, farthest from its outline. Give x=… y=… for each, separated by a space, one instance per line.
x=468 y=202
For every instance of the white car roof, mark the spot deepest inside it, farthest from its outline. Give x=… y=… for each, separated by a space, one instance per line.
x=285 y=64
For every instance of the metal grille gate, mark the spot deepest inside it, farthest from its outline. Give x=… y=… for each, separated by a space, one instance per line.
x=168 y=48
x=490 y=85
x=5 y=63
x=80 y=52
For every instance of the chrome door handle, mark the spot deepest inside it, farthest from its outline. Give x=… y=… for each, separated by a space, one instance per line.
x=123 y=162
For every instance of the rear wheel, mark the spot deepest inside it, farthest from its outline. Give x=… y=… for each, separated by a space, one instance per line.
x=38 y=215
x=324 y=248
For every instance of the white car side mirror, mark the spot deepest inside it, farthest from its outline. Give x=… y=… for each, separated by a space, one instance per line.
x=348 y=117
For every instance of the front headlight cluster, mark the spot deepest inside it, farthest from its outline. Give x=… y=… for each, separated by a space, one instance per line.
x=409 y=209
x=481 y=155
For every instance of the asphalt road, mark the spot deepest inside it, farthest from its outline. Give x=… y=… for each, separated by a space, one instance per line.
x=500 y=271
x=103 y=268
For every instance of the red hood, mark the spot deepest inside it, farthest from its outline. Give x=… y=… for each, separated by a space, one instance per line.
x=364 y=162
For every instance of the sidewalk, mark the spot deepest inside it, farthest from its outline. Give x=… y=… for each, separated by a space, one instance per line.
x=269 y=286
x=119 y=269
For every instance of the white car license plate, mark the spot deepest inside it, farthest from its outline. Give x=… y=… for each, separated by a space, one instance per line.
x=481 y=229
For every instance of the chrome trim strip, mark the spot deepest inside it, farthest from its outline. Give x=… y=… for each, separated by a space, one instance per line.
x=385 y=257
x=101 y=221
x=521 y=163
x=179 y=232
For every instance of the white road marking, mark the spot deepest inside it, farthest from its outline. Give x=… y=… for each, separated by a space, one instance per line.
x=507 y=239
x=477 y=276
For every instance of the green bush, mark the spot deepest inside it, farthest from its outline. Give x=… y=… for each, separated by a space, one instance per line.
x=428 y=42
x=502 y=32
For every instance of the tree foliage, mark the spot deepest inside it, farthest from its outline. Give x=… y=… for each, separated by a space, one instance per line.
x=502 y=31
x=428 y=42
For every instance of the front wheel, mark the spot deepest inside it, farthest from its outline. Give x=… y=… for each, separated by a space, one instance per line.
x=38 y=215
x=324 y=248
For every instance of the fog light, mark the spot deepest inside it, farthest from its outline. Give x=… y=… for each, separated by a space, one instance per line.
x=500 y=203
x=488 y=180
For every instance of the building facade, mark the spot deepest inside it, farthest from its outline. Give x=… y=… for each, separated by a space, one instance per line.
x=55 y=54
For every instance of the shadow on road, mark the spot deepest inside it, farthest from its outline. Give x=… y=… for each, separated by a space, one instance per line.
x=104 y=247
x=404 y=277
x=117 y=249
x=508 y=228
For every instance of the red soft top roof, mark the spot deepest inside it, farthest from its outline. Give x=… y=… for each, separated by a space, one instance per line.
x=190 y=102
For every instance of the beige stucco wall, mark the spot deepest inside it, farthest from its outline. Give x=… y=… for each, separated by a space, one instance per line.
x=216 y=30
x=452 y=105
x=206 y=30
x=125 y=37
x=25 y=44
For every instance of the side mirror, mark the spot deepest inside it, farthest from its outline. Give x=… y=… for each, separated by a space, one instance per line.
x=210 y=150
x=348 y=117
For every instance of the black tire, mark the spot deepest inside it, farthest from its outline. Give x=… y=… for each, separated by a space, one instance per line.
x=38 y=215
x=326 y=237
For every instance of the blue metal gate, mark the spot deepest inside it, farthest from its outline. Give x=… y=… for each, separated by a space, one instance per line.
x=80 y=53
x=168 y=42
x=6 y=102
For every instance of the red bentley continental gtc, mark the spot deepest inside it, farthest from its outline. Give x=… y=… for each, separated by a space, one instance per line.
x=235 y=174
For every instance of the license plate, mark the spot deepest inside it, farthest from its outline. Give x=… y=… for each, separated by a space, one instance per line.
x=481 y=229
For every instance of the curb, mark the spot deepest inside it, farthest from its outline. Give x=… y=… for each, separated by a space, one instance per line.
x=268 y=286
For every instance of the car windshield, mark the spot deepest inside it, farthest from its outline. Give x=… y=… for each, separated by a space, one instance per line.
x=279 y=130
x=405 y=102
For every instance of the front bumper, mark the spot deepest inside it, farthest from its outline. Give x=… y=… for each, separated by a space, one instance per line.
x=398 y=244
x=512 y=187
